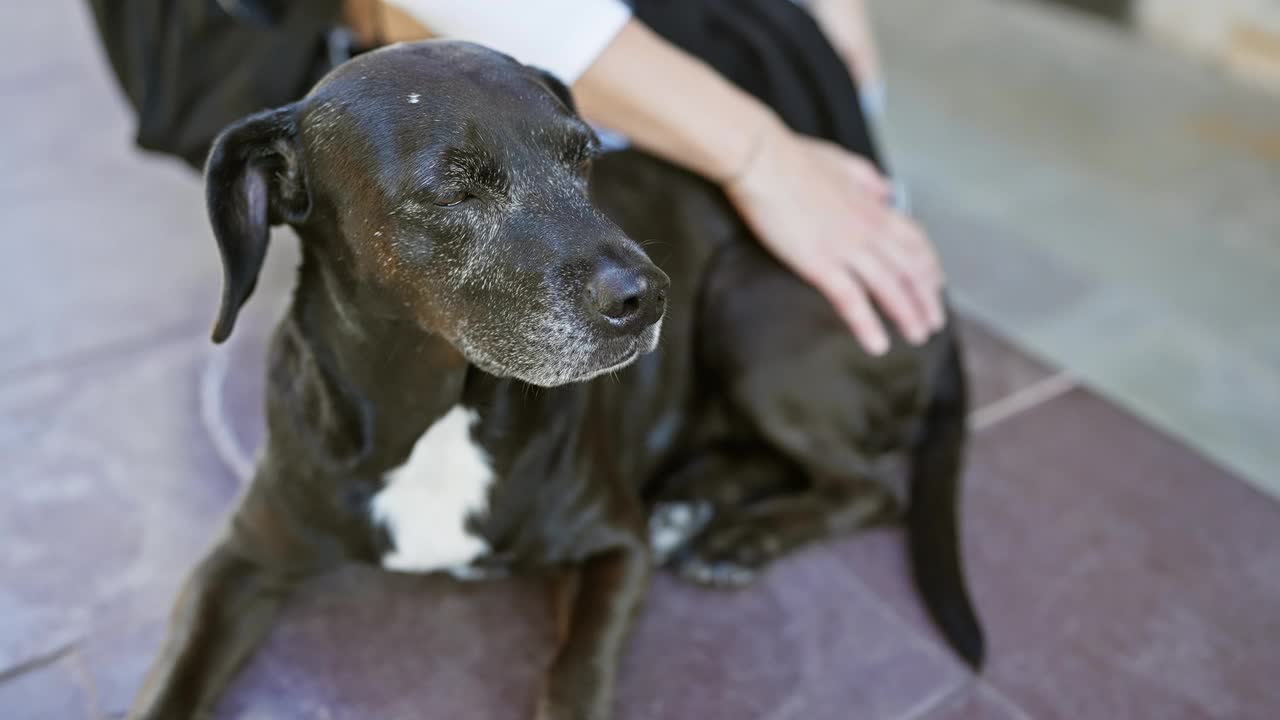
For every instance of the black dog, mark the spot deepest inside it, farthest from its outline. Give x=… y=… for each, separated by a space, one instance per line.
x=452 y=258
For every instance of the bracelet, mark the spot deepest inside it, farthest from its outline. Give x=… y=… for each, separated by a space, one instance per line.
x=757 y=147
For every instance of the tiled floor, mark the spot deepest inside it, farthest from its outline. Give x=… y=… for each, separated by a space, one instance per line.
x=1104 y=203
x=1120 y=575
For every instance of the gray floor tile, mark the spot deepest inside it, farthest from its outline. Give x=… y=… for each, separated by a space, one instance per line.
x=116 y=492
x=995 y=275
x=50 y=692
x=1078 y=179
x=1213 y=396
x=106 y=246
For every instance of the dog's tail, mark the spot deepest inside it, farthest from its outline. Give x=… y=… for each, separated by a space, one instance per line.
x=932 y=533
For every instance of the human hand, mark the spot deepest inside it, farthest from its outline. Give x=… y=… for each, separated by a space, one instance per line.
x=823 y=212
x=819 y=209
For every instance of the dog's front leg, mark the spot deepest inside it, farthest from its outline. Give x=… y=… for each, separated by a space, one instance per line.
x=224 y=610
x=596 y=609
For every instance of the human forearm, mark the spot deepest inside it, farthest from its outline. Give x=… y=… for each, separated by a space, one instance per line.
x=673 y=105
x=847 y=25
x=375 y=22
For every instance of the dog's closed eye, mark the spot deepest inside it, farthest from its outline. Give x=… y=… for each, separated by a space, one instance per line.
x=454 y=199
x=580 y=156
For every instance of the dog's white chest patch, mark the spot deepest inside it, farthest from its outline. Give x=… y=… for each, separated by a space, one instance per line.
x=426 y=502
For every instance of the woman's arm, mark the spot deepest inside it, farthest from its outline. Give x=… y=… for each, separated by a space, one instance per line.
x=847 y=25
x=375 y=22
x=673 y=105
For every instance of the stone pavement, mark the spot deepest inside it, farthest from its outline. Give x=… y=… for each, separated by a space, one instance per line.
x=1120 y=575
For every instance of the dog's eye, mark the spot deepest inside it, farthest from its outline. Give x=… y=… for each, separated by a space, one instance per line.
x=455 y=199
x=581 y=157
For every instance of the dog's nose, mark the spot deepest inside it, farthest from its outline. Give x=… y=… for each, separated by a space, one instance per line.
x=628 y=300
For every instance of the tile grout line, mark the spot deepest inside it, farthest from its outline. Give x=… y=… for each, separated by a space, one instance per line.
x=1020 y=401
x=37 y=662
x=1001 y=699
x=979 y=681
x=80 y=669
x=917 y=637
x=933 y=702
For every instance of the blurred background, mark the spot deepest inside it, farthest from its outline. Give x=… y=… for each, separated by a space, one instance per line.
x=1117 y=184
x=1102 y=178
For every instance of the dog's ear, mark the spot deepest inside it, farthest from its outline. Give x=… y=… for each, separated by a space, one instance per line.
x=254 y=179
x=557 y=88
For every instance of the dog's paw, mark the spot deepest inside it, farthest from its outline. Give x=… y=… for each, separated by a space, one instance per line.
x=673 y=524
x=729 y=555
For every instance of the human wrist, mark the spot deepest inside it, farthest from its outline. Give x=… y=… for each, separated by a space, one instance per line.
x=740 y=163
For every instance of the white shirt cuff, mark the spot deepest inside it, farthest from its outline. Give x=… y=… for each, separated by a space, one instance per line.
x=562 y=37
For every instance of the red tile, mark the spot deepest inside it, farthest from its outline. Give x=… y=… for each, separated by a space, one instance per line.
x=1119 y=574
x=803 y=643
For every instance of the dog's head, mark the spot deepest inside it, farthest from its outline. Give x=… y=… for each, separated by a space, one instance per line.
x=445 y=183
